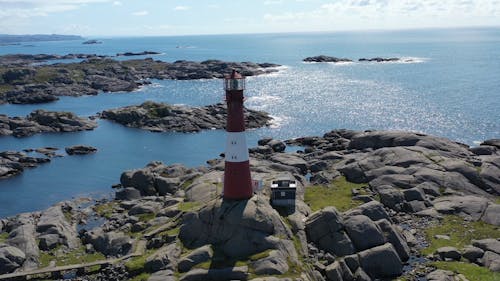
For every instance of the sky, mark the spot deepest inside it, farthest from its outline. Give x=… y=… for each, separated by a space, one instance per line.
x=188 y=17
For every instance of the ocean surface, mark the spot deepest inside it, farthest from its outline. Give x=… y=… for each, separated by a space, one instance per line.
x=451 y=88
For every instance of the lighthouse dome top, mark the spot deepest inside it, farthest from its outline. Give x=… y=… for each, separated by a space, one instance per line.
x=234 y=81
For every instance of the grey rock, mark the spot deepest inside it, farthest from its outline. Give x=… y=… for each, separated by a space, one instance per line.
x=360 y=275
x=49 y=241
x=491 y=260
x=166 y=257
x=147 y=207
x=167 y=185
x=469 y=206
x=277 y=146
x=414 y=206
x=440 y=275
x=53 y=222
x=234 y=273
x=197 y=256
x=488 y=244
x=352 y=262
x=337 y=243
x=373 y=209
x=472 y=254
x=11 y=258
x=80 y=149
x=414 y=194
x=492 y=214
x=163 y=275
x=240 y=228
x=492 y=142
x=334 y=272
x=128 y=193
x=391 y=197
x=448 y=253
x=291 y=160
x=393 y=236
x=381 y=261
x=274 y=264
x=109 y=243
x=323 y=222
x=429 y=188
x=363 y=232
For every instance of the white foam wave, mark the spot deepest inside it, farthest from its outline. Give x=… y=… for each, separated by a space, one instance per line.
x=278 y=121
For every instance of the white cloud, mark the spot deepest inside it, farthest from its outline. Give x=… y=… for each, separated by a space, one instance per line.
x=182 y=8
x=29 y=8
x=272 y=2
x=117 y=3
x=140 y=13
x=363 y=14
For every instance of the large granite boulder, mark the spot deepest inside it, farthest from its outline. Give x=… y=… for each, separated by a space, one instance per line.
x=381 y=261
x=54 y=229
x=11 y=258
x=238 y=228
x=110 y=243
x=364 y=233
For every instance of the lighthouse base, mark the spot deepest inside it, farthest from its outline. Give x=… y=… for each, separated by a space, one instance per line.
x=237 y=181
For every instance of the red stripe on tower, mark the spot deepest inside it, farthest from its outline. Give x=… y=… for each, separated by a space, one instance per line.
x=237 y=179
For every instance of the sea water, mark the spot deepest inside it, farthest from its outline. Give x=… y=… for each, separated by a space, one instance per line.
x=448 y=85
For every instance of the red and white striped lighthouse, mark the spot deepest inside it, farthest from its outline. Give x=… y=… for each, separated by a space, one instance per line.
x=237 y=179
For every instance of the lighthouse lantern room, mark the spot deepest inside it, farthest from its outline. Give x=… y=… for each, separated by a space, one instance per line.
x=237 y=179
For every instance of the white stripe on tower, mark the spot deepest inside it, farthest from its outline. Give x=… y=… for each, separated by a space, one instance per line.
x=236 y=147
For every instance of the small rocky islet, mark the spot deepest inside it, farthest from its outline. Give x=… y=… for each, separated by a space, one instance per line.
x=22 y=82
x=162 y=117
x=370 y=205
x=323 y=58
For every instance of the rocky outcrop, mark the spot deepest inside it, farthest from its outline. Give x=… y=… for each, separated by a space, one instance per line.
x=41 y=121
x=109 y=243
x=144 y=53
x=157 y=179
x=379 y=245
x=379 y=59
x=11 y=258
x=323 y=58
x=13 y=163
x=80 y=149
x=26 y=83
x=161 y=117
x=54 y=229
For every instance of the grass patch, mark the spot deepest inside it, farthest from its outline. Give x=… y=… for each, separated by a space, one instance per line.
x=337 y=194
x=141 y=277
x=461 y=233
x=146 y=217
x=471 y=271
x=3 y=236
x=136 y=264
x=260 y=255
x=497 y=200
x=105 y=210
x=73 y=257
x=188 y=206
x=45 y=74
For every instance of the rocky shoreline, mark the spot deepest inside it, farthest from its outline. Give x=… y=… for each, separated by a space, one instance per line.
x=323 y=58
x=371 y=209
x=13 y=163
x=24 y=83
x=42 y=121
x=162 y=117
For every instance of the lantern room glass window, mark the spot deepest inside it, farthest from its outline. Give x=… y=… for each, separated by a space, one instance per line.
x=231 y=84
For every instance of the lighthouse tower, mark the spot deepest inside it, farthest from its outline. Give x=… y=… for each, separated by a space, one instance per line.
x=237 y=180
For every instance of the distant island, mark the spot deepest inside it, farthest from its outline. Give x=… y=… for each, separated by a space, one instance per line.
x=6 y=39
